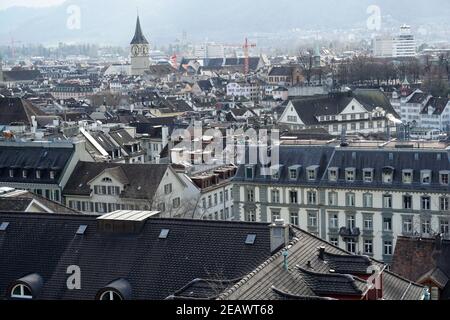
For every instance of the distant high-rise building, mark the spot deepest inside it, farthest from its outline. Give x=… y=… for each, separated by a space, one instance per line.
x=400 y=45
x=209 y=51
x=140 y=52
x=405 y=43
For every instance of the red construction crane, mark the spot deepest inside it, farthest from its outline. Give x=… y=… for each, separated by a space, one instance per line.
x=246 y=47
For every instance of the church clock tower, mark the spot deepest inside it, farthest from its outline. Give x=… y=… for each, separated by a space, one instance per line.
x=140 y=52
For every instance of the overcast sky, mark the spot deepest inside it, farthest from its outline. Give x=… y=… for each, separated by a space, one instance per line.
x=4 y=4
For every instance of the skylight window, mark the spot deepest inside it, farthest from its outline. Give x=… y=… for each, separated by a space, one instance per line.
x=164 y=233
x=81 y=230
x=251 y=238
x=4 y=226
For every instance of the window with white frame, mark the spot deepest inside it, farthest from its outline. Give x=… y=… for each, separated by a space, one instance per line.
x=293 y=196
x=444 y=226
x=350 y=199
x=388 y=175
x=388 y=248
x=426 y=203
x=351 y=222
x=168 y=188
x=407 y=176
x=312 y=220
x=333 y=174
x=444 y=203
x=407 y=225
x=333 y=198
x=350 y=174
x=368 y=223
x=351 y=246
x=426 y=226
x=334 y=221
x=250 y=195
x=387 y=224
x=21 y=291
x=425 y=177
x=407 y=202
x=110 y=296
x=368 y=200
x=293 y=175
x=275 y=196
x=312 y=197
x=294 y=218
x=387 y=201
x=334 y=241
x=250 y=215
x=312 y=173
x=444 y=178
x=368 y=246
x=368 y=175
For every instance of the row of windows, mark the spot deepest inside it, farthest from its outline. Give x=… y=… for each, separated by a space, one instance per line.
x=408 y=226
x=101 y=207
x=350 y=200
x=351 y=246
x=222 y=215
x=407 y=176
x=26 y=174
x=219 y=197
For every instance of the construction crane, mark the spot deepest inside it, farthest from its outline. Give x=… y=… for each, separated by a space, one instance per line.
x=12 y=44
x=246 y=47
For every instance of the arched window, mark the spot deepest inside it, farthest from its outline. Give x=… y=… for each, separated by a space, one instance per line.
x=110 y=296
x=107 y=180
x=21 y=291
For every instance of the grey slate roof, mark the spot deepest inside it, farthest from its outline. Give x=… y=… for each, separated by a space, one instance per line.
x=33 y=159
x=327 y=105
x=141 y=180
x=139 y=37
x=14 y=110
x=310 y=277
x=155 y=268
x=343 y=158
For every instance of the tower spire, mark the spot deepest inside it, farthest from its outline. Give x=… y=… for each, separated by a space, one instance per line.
x=139 y=37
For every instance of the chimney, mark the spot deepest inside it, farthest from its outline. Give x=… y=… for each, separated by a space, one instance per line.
x=322 y=253
x=279 y=235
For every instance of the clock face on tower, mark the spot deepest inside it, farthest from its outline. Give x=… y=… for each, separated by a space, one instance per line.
x=135 y=50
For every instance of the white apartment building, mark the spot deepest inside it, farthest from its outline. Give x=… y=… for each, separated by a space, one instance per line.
x=361 y=111
x=358 y=199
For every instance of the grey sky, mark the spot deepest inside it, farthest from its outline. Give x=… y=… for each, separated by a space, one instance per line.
x=4 y=4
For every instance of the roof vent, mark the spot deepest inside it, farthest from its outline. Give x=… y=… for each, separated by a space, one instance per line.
x=81 y=230
x=4 y=226
x=251 y=238
x=164 y=234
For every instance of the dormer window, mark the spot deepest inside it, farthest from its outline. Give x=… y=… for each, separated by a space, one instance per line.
x=52 y=175
x=312 y=173
x=275 y=171
x=24 y=174
x=38 y=174
x=368 y=175
x=249 y=172
x=11 y=173
x=294 y=172
x=333 y=174
x=444 y=177
x=407 y=176
x=350 y=174
x=425 y=177
x=21 y=291
x=388 y=175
